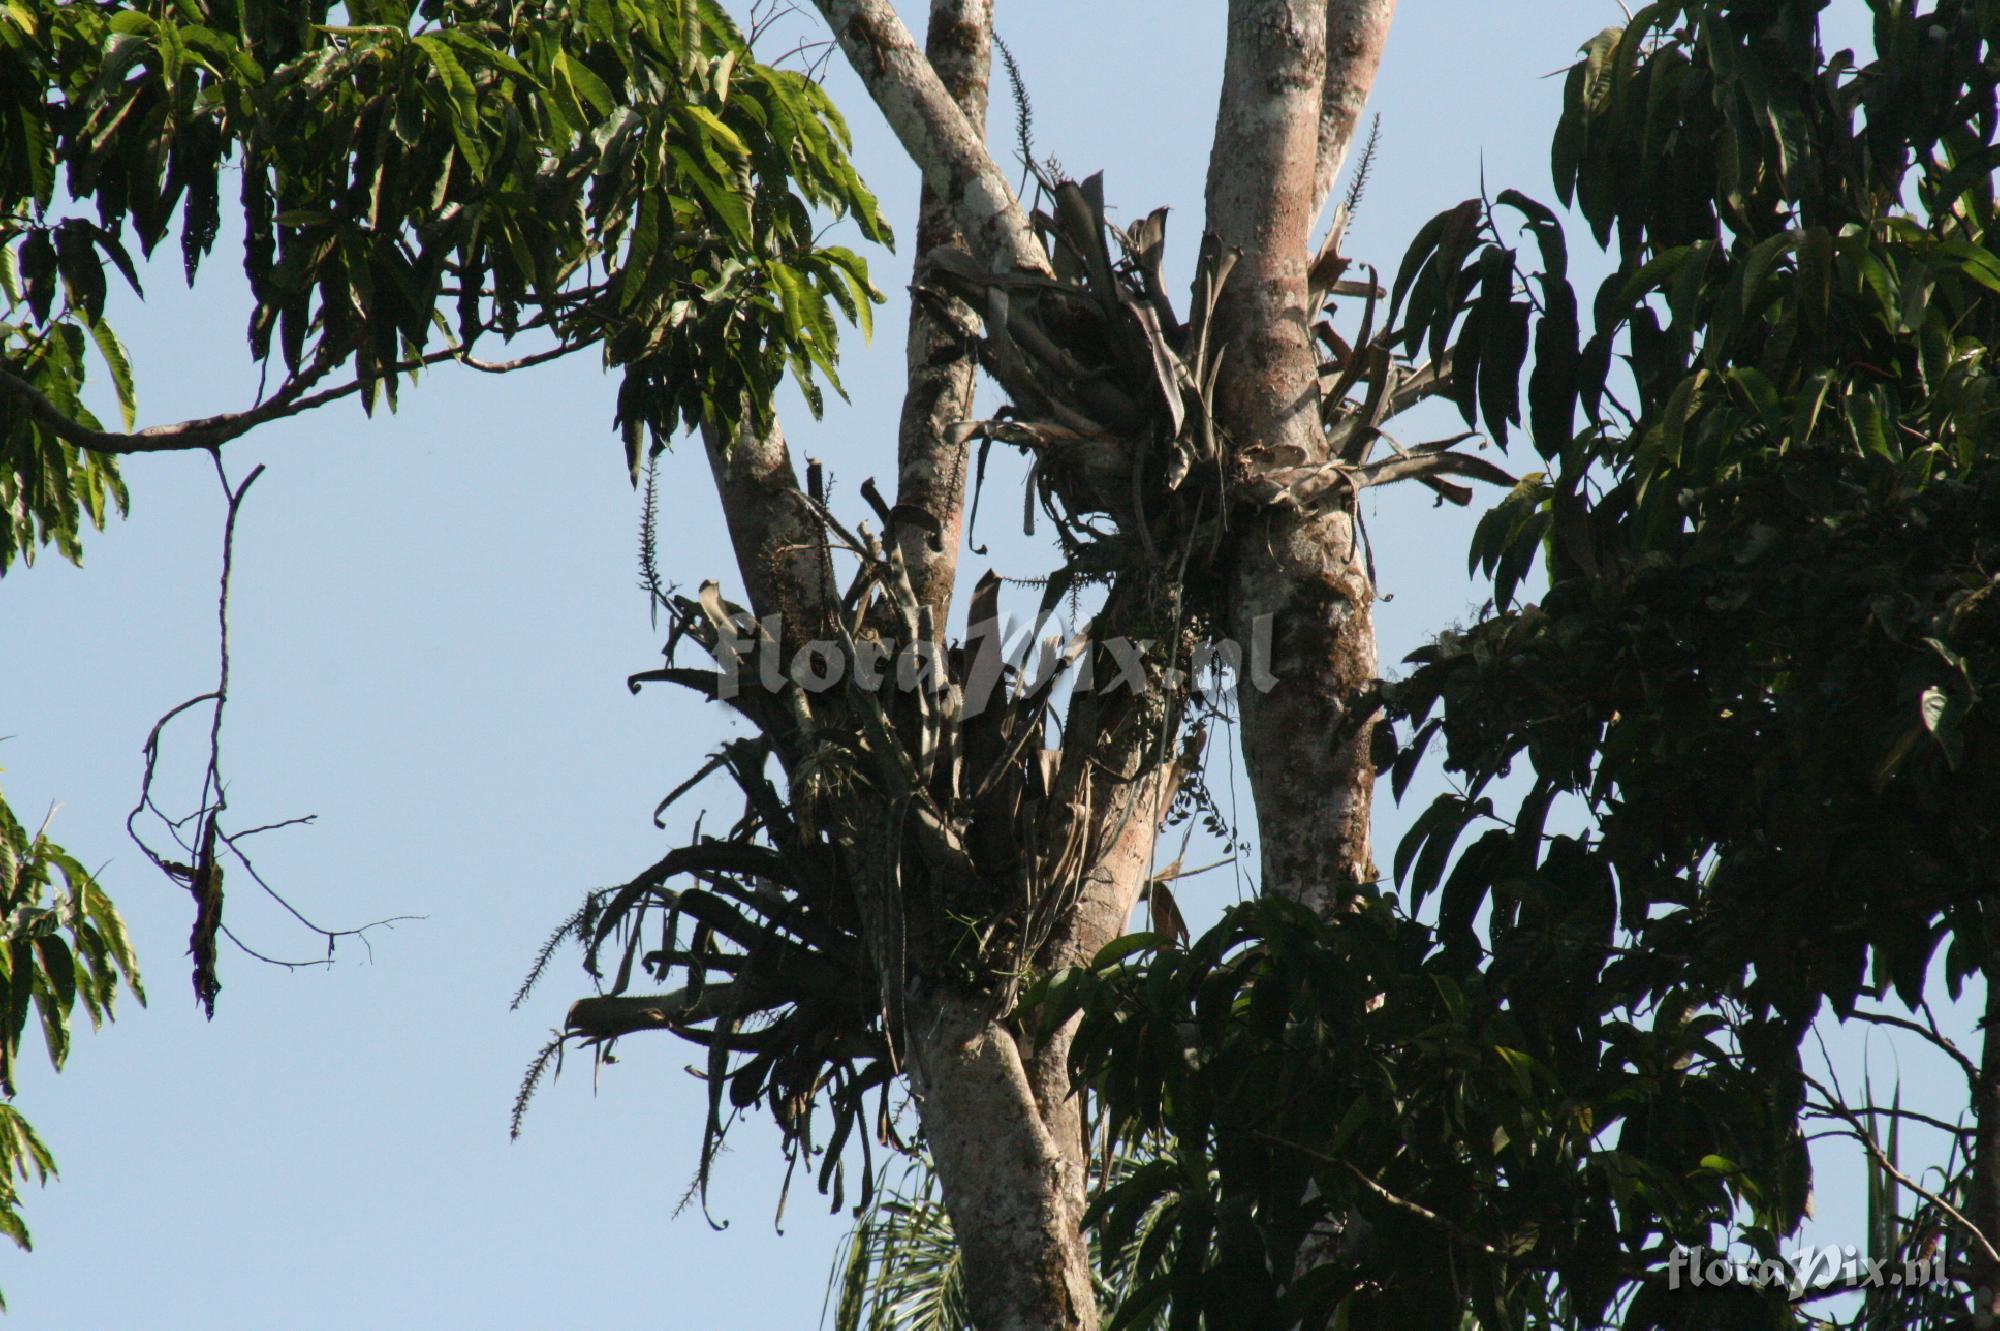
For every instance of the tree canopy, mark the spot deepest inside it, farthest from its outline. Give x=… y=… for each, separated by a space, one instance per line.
x=1512 y=1083
x=1748 y=710
x=411 y=182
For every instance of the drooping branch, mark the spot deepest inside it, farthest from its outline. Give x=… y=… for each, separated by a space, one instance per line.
x=292 y=399
x=933 y=130
x=1356 y=32
x=202 y=871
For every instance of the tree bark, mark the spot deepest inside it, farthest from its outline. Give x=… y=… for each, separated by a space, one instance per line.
x=1004 y=1131
x=1287 y=113
x=1000 y=1114
x=930 y=468
x=772 y=531
x=1356 y=32
x=1013 y=1193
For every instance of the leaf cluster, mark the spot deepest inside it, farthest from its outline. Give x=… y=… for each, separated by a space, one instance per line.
x=61 y=942
x=1751 y=708
x=1350 y=1124
x=599 y=172
x=1771 y=616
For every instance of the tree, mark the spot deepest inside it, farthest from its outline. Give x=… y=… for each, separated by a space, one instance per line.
x=936 y=845
x=1749 y=716
x=609 y=175
x=924 y=853
x=1181 y=435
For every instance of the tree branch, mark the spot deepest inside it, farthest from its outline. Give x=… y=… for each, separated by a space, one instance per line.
x=1930 y=1033
x=774 y=531
x=934 y=131
x=931 y=456
x=213 y=431
x=1356 y=31
x=1859 y=1130
x=201 y=432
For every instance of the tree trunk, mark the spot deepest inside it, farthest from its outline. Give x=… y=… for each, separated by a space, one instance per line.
x=1004 y=1131
x=1294 y=78
x=1306 y=740
x=1003 y=1126
x=1014 y=1195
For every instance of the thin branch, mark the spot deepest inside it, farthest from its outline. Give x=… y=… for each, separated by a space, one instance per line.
x=214 y=431
x=151 y=752
x=1822 y=1111
x=1861 y=1134
x=362 y=933
x=1450 y=1228
x=330 y=935
x=202 y=876
x=213 y=797
x=268 y=960
x=1421 y=1212
x=1930 y=1033
x=303 y=820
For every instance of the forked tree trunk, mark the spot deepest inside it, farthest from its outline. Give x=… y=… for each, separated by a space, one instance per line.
x=1013 y=1185
x=1004 y=1129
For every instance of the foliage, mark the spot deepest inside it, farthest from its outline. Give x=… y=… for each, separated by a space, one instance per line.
x=1464 y=1151
x=409 y=180
x=606 y=172
x=1757 y=676
x=60 y=942
x=901 y=1268
x=1772 y=610
x=933 y=837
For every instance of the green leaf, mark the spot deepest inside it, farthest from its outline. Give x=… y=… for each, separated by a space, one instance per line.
x=463 y=101
x=120 y=365
x=59 y=967
x=1757 y=266
x=1520 y=1069
x=584 y=83
x=706 y=121
x=1126 y=945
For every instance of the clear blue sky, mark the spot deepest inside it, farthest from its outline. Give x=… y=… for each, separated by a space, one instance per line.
x=434 y=617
